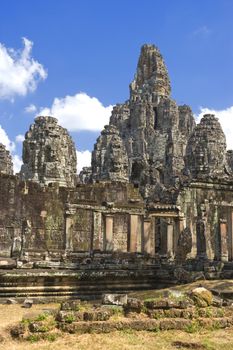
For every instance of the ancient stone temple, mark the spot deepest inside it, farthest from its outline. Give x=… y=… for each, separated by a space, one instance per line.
x=49 y=154
x=156 y=200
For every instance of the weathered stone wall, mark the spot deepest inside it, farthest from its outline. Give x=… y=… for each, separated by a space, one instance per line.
x=120 y=232
x=31 y=218
x=45 y=222
x=82 y=230
x=205 y=206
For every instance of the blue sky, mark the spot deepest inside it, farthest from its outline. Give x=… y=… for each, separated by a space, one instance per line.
x=84 y=56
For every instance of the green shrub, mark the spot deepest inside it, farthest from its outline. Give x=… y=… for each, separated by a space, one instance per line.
x=69 y=318
x=33 y=338
x=192 y=327
x=41 y=317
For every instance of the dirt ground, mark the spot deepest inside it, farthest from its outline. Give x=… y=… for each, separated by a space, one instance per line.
x=123 y=340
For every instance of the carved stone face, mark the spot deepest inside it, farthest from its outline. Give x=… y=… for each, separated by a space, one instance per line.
x=49 y=153
x=206 y=149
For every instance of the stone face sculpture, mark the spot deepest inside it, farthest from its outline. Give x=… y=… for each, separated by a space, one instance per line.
x=206 y=149
x=109 y=158
x=49 y=154
x=6 y=165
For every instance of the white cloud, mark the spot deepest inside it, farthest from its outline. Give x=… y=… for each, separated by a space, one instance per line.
x=19 y=72
x=83 y=159
x=19 y=138
x=4 y=139
x=202 y=31
x=17 y=162
x=225 y=117
x=30 y=109
x=10 y=146
x=79 y=112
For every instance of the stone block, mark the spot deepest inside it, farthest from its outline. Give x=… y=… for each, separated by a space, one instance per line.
x=114 y=299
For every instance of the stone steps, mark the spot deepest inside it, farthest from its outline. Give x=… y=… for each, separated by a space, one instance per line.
x=88 y=284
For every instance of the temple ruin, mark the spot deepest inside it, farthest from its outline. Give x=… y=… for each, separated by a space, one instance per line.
x=156 y=200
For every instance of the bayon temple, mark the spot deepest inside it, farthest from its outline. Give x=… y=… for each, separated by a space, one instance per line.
x=156 y=204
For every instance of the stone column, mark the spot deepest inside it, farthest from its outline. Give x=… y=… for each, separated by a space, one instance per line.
x=133 y=233
x=181 y=223
x=201 y=238
x=97 y=243
x=170 y=240
x=231 y=236
x=147 y=236
x=68 y=232
x=223 y=240
x=108 y=244
x=139 y=235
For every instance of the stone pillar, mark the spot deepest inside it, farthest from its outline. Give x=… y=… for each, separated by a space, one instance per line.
x=147 y=236
x=231 y=235
x=170 y=240
x=68 y=232
x=97 y=243
x=139 y=235
x=181 y=223
x=108 y=244
x=201 y=238
x=133 y=233
x=223 y=240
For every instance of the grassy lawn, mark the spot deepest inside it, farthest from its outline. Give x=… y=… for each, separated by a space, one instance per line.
x=166 y=340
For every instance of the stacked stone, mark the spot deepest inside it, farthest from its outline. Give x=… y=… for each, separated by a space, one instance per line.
x=151 y=127
x=206 y=149
x=6 y=165
x=49 y=154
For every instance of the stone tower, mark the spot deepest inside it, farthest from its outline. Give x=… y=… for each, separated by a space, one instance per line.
x=109 y=158
x=206 y=149
x=6 y=165
x=49 y=154
x=153 y=129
